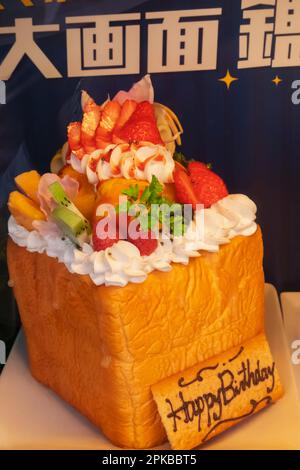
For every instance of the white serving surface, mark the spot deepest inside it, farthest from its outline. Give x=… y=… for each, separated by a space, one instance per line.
x=33 y=417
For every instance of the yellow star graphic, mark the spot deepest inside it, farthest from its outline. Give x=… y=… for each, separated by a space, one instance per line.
x=228 y=79
x=277 y=80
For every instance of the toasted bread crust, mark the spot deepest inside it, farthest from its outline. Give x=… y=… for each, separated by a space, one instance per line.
x=101 y=348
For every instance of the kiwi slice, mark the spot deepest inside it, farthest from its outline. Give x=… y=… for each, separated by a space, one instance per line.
x=72 y=225
x=60 y=196
x=68 y=217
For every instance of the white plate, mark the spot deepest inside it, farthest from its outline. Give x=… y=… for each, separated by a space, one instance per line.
x=33 y=417
x=290 y=302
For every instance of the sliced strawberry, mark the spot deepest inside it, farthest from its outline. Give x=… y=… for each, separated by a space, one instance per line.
x=141 y=127
x=100 y=244
x=140 y=131
x=101 y=143
x=90 y=147
x=109 y=117
x=184 y=190
x=127 y=110
x=144 y=111
x=74 y=135
x=90 y=123
x=146 y=243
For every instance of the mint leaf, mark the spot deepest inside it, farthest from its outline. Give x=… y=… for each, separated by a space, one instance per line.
x=149 y=219
x=145 y=195
x=155 y=186
x=132 y=192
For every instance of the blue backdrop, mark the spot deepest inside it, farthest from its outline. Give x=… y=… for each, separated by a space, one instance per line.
x=250 y=133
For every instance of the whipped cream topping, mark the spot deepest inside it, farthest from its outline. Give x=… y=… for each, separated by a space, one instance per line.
x=139 y=162
x=122 y=263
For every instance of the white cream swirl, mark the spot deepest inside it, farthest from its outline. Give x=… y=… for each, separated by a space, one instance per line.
x=122 y=263
x=140 y=162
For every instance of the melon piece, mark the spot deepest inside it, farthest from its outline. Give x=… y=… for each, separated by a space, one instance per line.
x=24 y=210
x=67 y=170
x=110 y=190
x=85 y=202
x=28 y=183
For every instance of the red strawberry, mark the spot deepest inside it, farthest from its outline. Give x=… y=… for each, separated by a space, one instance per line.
x=196 y=167
x=184 y=190
x=208 y=186
x=145 y=243
x=144 y=111
x=74 y=135
x=100 y=244
x=127 y=110
x=180 y=167
x=138 y=131
x=200 y=185
x=109 y=117
x=141 y=126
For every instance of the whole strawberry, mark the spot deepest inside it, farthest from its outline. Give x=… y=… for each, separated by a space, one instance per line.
x=199 y=185
x=208 y=186
x=145 y=242
x=100 y=244
x=196 y=167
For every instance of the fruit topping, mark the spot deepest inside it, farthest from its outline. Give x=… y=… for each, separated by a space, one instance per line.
x=100 y=243
x=86 y=196
x=28 y=183
x=185 y=193
x=208 y=186
x=24 y=210
x=109 y=118
x=74 y=135
x=141 y=127
x=72 y=224
x=127 y=110
x=145 y=242
x=77 y=228
x=140 y=91
x=199 y=186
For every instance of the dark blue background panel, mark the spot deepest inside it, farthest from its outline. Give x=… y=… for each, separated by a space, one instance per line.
x=249 y=132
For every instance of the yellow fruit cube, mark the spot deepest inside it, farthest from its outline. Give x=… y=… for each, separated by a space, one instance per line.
x=28 y=183
x=24 y=210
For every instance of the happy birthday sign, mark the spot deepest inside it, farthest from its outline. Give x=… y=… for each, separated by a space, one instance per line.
x=203 y=401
